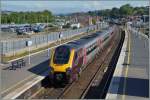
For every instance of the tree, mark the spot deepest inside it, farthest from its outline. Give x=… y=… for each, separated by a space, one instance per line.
x=126 y=10
x=94 y=21
x=27 y=17
x=68 y=25
x=114 y=12
x=139 y=11
x=105 y=12
x=75 y=27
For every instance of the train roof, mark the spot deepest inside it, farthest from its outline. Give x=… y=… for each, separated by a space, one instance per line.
x=84 y=40
x=77 y=44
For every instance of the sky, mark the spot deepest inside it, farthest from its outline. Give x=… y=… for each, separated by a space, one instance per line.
x=64 y=7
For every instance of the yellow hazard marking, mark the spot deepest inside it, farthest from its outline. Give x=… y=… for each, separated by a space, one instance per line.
x=127 y=67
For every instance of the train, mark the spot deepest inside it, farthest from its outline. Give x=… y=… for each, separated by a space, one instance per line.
x=68 y=60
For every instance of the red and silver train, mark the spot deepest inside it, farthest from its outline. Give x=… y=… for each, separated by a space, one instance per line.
x=68 y=60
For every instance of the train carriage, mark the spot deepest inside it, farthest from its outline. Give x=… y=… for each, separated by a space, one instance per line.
x=68 y=60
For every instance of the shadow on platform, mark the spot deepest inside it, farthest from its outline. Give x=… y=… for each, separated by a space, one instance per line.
x=40 y=68
x=134 y=87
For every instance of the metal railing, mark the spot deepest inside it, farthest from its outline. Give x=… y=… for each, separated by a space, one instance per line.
x=7 y=46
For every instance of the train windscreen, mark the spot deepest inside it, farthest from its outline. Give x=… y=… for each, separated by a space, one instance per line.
x=61 y=55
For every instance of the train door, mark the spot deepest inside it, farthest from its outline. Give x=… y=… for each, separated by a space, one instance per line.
x=84 y=57
x=75 y=66
x=99 y=44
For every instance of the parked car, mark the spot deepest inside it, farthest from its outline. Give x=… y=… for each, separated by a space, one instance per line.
x=24 y=30
x=39 y=28
x=21 y=31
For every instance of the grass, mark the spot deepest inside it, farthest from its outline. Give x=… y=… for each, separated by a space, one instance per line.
x=18 y=55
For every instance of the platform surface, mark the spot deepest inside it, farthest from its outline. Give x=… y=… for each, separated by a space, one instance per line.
x=134 y=79
x=10 y=78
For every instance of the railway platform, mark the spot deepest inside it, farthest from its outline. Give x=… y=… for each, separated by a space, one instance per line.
x=21 y=79
x=12 y=79
x=131 y=77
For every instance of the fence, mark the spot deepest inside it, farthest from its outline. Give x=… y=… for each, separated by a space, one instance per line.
x=15 y=45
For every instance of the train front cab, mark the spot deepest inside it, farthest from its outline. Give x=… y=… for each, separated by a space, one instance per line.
x=65 y=64
x=61 y=63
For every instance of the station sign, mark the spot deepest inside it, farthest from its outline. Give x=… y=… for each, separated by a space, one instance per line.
x=28 y=43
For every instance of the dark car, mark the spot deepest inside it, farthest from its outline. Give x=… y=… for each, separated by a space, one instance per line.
x=21 y=31
x=38 y=28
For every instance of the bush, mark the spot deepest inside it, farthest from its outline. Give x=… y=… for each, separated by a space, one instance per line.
x=68 y=25
x=74 y=28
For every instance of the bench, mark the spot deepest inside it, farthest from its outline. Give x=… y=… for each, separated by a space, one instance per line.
x=17 y=64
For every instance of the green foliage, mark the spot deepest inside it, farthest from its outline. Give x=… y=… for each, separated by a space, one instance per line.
x=27 y=17
x=46 y=16
x=75 y=27
x=114 y=12
x=104 y=12
x=125 y=10
x=94 y=21
x=139 y=11
x=68 y=25
x=91 y=13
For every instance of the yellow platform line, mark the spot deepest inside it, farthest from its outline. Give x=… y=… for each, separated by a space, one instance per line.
x=127 y=67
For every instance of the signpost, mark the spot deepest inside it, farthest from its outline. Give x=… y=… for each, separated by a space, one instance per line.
x=29 y=43
x=60 y=36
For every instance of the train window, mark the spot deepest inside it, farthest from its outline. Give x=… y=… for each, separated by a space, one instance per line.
x=91 y=48
x=61 y=55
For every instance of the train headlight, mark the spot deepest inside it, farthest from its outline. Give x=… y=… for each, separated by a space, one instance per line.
x=51 y=70
x=68 y=71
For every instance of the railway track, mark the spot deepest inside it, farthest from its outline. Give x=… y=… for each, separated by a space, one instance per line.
x=91 y=74
x=100 y=71
x=99 y=91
